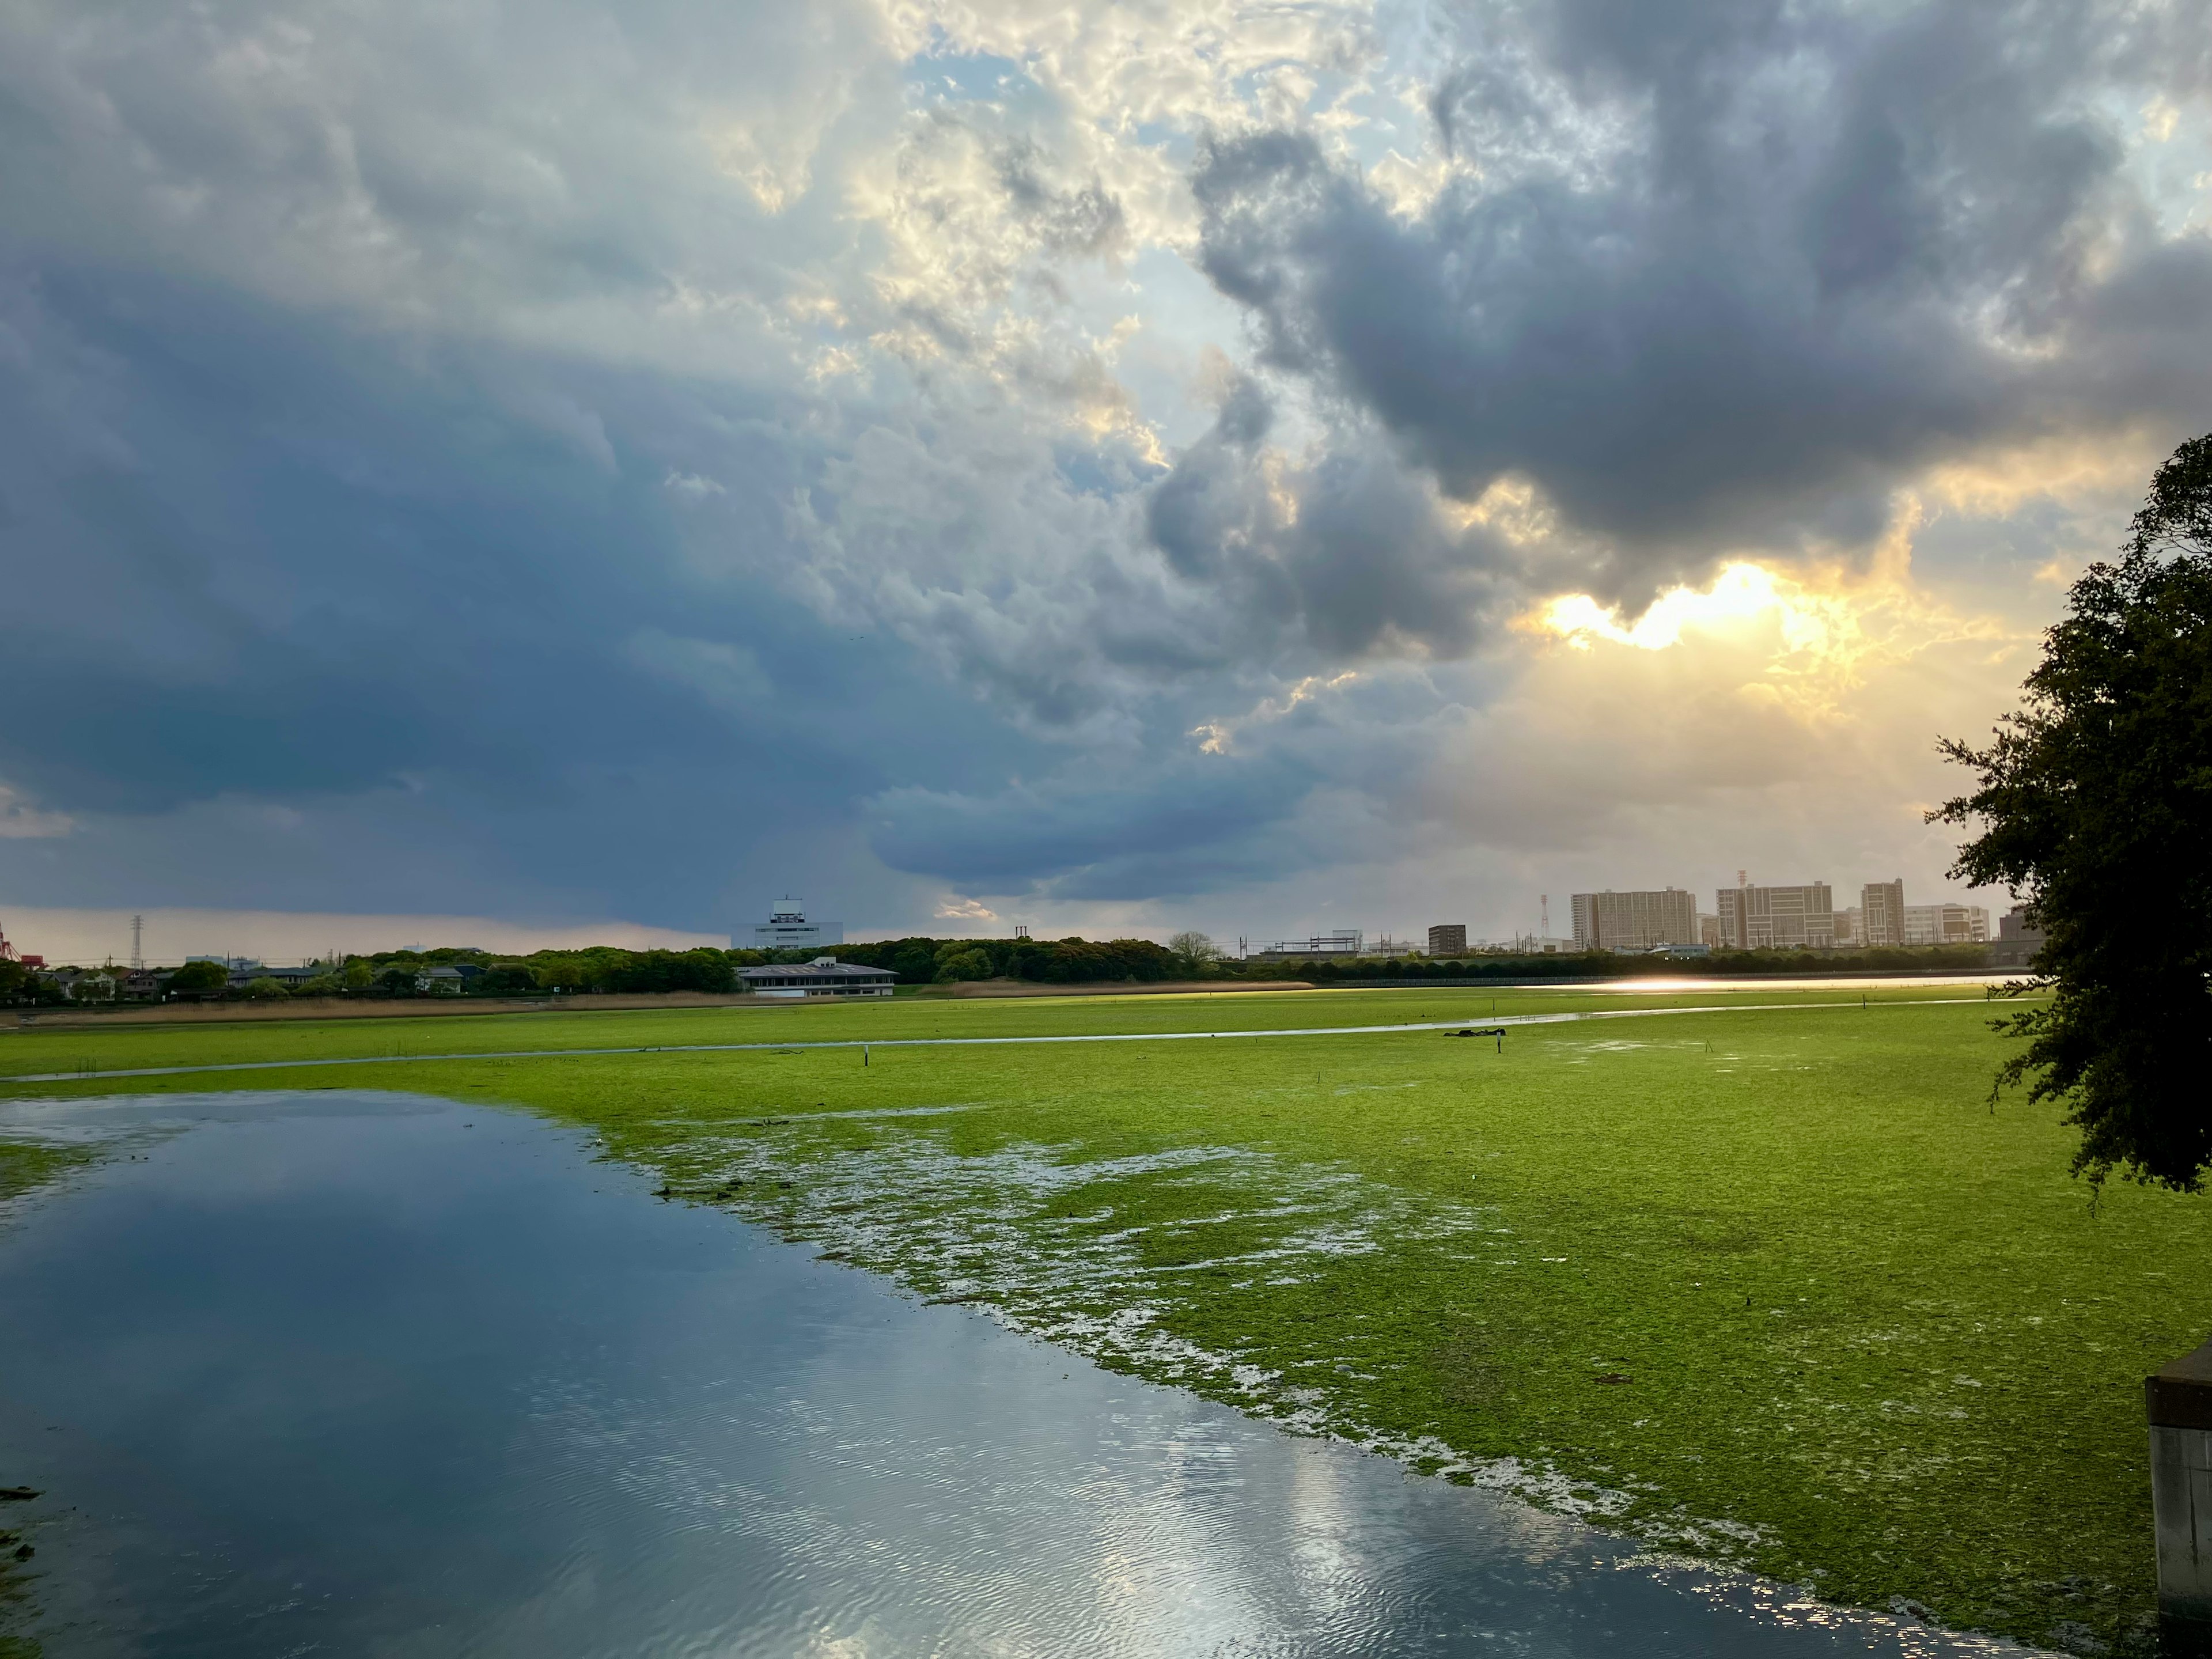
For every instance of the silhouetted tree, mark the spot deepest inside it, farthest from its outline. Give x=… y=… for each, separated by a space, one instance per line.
x=2095 y=804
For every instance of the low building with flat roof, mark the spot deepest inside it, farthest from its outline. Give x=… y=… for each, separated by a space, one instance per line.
x=824 y=976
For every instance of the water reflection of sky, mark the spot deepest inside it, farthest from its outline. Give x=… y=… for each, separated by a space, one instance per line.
x=363 y=1373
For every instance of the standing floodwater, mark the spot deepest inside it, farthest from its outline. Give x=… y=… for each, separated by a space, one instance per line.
x=375 y=1374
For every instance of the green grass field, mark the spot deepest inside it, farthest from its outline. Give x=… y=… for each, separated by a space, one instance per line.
x=1772 y=1284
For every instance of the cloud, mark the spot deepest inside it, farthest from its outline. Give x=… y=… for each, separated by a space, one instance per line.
x=955 y=908
x=627 y=461
x=170 y=935
x=1734 y=277
x=21 y=821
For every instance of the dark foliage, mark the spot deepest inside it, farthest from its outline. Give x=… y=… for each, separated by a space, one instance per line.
x=22 y=986
x=919 y=961
x=673 y=970
x=199 y=978
x=2095 y=804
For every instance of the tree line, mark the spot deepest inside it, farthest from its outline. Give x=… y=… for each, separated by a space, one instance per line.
x=917 y=959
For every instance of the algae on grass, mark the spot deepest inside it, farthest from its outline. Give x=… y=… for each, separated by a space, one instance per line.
x=24 y=1165
x=15 y=1604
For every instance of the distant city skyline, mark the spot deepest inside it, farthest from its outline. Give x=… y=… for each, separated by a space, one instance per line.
x=88 y=936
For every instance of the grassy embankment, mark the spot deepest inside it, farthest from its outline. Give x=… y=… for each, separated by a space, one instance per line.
x=1775 y=1286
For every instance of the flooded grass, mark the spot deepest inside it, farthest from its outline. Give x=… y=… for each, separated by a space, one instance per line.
x=1771 y=1287
x=24 y=1164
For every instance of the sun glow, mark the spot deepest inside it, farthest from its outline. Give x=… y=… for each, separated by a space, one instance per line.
x=1741 y=593
x=1805 y=641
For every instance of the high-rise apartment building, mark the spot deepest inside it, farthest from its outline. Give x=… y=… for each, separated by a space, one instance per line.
x=1882 y=913
x=1447 y=941
x=1635 y=921
x=1778 y=918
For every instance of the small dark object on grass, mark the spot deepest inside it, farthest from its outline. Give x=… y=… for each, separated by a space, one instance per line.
x=786 y=1185
x=18 y=1494
x=1615 y=1377
x=24 y=1551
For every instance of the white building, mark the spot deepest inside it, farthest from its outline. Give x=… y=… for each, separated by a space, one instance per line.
x=787 y=929
x=824 y=976
x=1946 y=924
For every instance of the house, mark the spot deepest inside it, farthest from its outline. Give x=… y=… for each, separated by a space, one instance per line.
x=824 y=976
x=244 y=974
x=95 y=985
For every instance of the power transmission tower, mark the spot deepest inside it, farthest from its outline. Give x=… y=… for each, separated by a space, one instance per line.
x=137 y=944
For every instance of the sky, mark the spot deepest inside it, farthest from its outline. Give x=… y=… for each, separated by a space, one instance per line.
x=1260 y=465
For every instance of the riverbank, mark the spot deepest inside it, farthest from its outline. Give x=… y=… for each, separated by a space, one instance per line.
x=1770 y=1284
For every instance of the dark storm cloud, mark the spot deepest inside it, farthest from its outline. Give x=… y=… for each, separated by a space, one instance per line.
x=572 y=457
x=1185 y=825
x=1305 y=780
x=427 y=605
x=1732 y=267
x=1336 y=559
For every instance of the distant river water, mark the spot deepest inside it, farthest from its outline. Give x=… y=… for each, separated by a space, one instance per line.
x=352 y=1373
